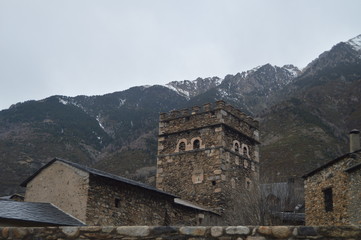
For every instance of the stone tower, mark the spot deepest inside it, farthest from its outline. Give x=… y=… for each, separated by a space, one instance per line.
x=209 y=156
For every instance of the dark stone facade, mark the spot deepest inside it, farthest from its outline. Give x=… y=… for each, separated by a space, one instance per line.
x=332 y=192
x=100 y=198
x=112 y=203
x=210 y=156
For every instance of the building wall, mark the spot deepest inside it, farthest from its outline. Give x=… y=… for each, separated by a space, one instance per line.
x=68 y=190
x=241 y=188
x=215 y=175
x=345 y=194
x=330 y=177
x=354 y=196
x=136 y=206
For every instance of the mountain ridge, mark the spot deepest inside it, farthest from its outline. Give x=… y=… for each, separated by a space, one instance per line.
x=304 y=115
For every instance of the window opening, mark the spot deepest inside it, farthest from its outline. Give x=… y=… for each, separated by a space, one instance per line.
x=182 y=146
x=248 y=184
x=327 y=194
x=213 y=183
x=245 y=151
x=236 y=147
x=117 y=202
x=196 y=144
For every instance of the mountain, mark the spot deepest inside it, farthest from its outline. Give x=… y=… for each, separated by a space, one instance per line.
x=304 y=117
x=310 y=125
x=190 y=89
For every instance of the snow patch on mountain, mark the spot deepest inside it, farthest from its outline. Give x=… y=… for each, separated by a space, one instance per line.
x=189 y=89
x=355 y=43
x=178 y=90
x=122 y=102
x=294 y=71
x=100 y=124
x=248 y=72
x=63 y=101
x=72 y=102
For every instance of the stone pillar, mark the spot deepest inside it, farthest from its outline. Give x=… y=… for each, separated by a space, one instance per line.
x=207 y=107
x=354 y=140
x=195 y=109
x=162 y=116
x=220 y=104
x=184 y=112
x=175 y=113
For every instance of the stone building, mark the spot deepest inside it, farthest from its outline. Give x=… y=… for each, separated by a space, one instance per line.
x=207 y=174
x=210 y=156
x=99 y=198
x=333 y=191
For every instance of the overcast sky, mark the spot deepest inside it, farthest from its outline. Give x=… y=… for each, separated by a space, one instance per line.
x=86 y=47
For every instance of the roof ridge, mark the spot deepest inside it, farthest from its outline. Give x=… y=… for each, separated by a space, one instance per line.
x=98 y=173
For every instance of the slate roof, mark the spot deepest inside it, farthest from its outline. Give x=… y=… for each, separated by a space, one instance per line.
x=347 y=155
x=353 y=168
x=97 y=173
x=36 y=212
x=191 y=205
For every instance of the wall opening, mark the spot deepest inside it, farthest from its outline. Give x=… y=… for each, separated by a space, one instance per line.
x=328 y=199
x=196 y=144
x=182 y=146
x=248 y=184
x=117 y=202
x=236 y=147
x=245 y=151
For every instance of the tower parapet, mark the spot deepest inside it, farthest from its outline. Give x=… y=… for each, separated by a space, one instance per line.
x=208 y=114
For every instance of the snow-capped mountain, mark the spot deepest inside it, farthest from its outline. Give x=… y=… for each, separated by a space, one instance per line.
x=250 y=90
x=355 y=43
x=193 y=88
x=303 y=116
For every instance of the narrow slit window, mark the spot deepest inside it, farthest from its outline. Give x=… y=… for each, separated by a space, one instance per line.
x=117 y=202
x=328 y=199
x=248 y=184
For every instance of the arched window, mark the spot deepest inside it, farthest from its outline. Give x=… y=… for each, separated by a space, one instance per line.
x=182 y=146
x=236 y=147
x=245 y=151
x=196 y=144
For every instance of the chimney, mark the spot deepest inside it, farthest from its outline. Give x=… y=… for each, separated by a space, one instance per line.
x=354 y=140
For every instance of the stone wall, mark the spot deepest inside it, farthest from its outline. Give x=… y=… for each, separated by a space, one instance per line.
x=198 y=117
x=241 y=187
x=68 y=191
x=183 y=233
x=192 y=178
x=116 y=203
x=331 y=177
x=354 y=196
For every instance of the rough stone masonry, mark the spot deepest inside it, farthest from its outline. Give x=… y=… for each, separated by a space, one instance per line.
x=185 y=232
